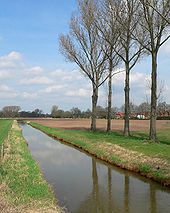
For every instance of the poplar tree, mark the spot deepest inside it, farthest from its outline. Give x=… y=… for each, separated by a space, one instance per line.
x=82 y=46
x=154 y=24
x=127 y=18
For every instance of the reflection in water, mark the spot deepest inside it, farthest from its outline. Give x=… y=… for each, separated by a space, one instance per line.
x=152 y=198
x=86 y=185
x=109 y=190
x=127 y=193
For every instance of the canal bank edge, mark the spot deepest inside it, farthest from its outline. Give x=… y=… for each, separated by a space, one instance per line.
x=138 y=166
x=22 y=186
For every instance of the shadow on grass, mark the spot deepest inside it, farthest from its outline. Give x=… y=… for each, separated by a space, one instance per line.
x=163 y=136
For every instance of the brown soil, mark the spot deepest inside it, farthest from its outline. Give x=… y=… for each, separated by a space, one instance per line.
x=101 y=124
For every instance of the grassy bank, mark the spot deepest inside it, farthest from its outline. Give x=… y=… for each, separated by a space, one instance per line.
x=23 y=188
x=4 y=128
x=134 y=153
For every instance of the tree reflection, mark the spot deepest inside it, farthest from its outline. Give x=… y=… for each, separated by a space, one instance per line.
x=98 y=201
x=152 y=199
x=95 y=202
x=126 y=195
x=101 y=199
x=109 y=190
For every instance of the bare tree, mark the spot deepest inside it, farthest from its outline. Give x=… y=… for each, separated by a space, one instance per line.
x=144 y=107
x=11 y=111
x=75 y=112
x=54 y=110
x=82 y=46
x=154 y=27
x=148 y=3
x=109 y=32
x=127 y=17
x=162 y=106
x=160 y=88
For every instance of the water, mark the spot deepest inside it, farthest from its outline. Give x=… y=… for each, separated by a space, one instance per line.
x=86 y=185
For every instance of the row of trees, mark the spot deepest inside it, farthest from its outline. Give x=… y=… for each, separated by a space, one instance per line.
x=15 y=111
x=10 y=111
x=75 y=112
x=105 y=34
x=102 y=112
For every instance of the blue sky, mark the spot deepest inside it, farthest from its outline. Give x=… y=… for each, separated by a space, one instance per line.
x=33 y=74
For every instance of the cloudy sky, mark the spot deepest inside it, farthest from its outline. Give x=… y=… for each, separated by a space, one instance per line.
x=33 y=74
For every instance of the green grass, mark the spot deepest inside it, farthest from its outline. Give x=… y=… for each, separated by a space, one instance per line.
x=4 y=128
x=138 y=142
x=23 y=177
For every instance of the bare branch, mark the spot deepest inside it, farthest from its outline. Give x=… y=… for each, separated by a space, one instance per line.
x=158 y=12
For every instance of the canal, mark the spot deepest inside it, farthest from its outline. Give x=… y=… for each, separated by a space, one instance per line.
x=84 y=184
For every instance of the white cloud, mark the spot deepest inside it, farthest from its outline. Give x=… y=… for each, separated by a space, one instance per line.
x=88 y=85
x=136 y=79
x=5 y=88
x=70 y=86
x=81 y=92
x=147 y=92
x=62 y=75
x=67 y=78
x=166 y=46
x=8 y=95
x=67 y=75
x=12 y=60
x=119 y=78
x=36 y=80
x=77 y=74
x=54 y=88
x=13 y=56
x=35 y=70
x=29 y=95
x=4 y=74
x=140 y=80
x=167 y=88
x=6 y=64
x=57 y=73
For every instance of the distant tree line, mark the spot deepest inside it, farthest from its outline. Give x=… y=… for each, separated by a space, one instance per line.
x=102 y=112
x=15 y=111
x=75 y=112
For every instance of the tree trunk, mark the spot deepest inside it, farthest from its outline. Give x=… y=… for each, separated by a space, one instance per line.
x=94 y=104
x=153 y=115
x=126 y=89
x=109 y=99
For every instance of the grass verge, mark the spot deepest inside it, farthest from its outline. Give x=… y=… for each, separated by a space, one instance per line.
x=135 y=153
x=4 y=128
x=23 y=188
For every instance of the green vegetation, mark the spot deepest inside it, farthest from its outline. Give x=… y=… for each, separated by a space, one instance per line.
x=4 y=128
x=136 y=151
x=22 y=183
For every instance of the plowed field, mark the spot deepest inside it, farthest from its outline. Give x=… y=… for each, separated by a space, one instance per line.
x=101 y=124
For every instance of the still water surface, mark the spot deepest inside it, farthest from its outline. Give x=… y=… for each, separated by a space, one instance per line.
x=86 y=185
